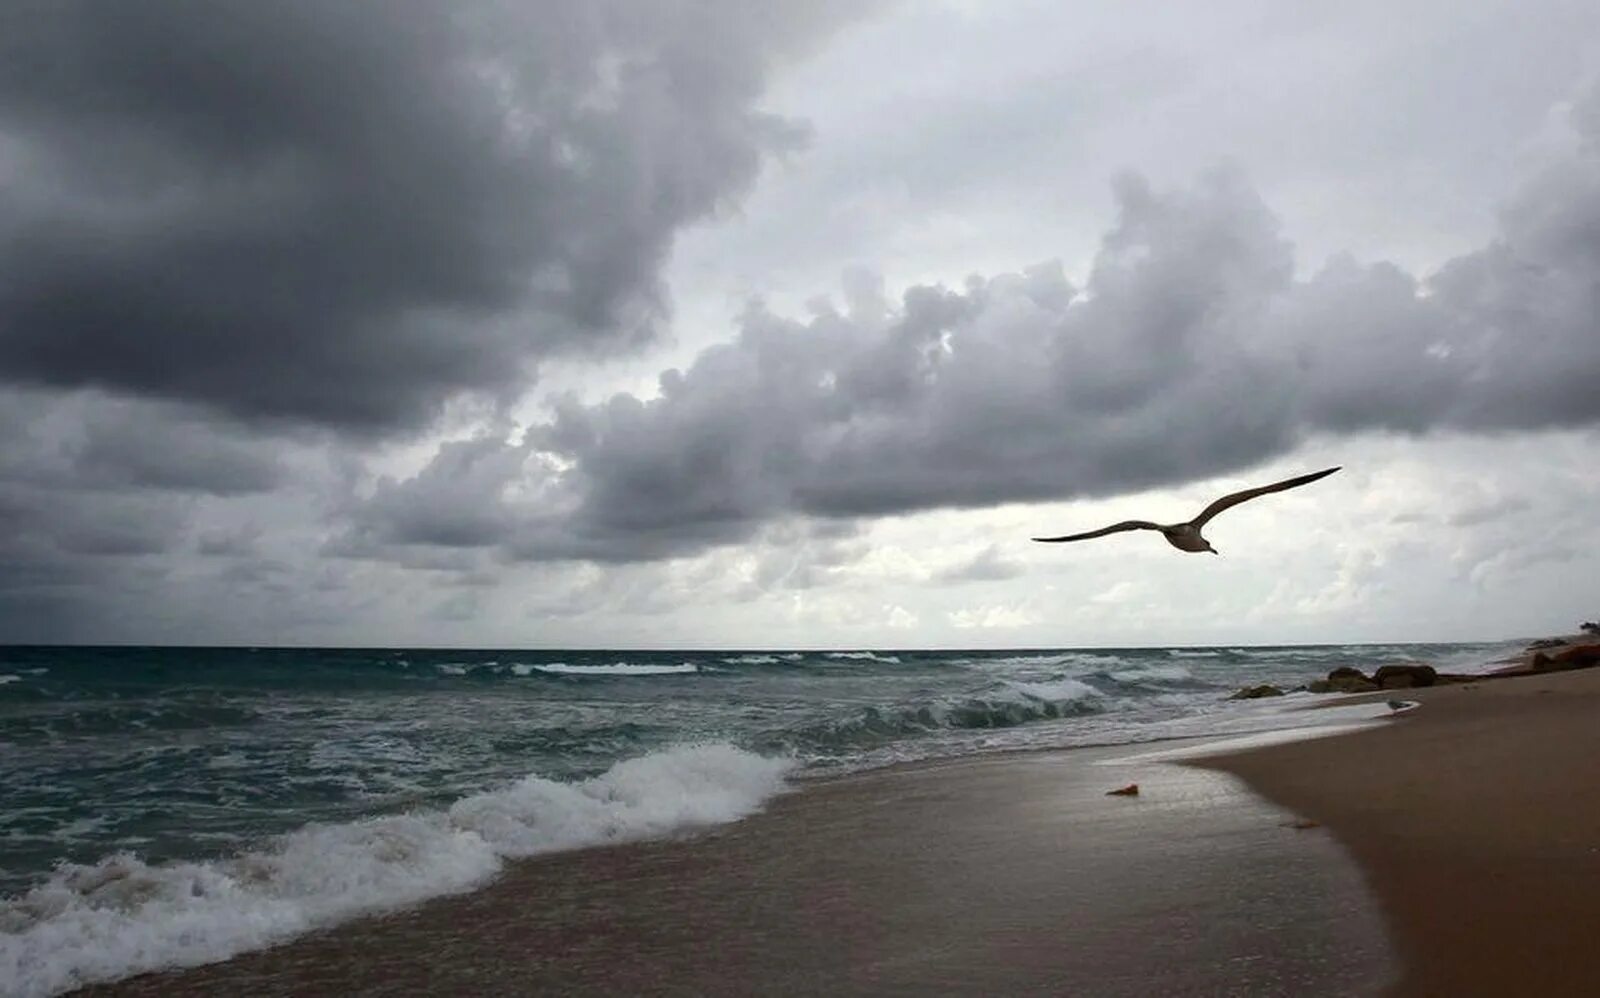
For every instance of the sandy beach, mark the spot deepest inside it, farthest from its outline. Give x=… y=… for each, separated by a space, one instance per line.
x=1477 y=822
x=1452 y=850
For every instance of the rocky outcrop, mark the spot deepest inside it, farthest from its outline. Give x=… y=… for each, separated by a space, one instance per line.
x=1256 y=692
x=1549 y=655
x=1569 y=653
x=1573 y=657
x=1405 y=675
x=1344 y=679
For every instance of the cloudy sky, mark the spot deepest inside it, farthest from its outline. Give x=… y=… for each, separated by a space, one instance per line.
x=716 y=323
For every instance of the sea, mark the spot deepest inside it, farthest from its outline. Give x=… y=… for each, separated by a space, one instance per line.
x=166 y=807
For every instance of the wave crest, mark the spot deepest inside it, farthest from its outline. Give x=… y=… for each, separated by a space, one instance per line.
x=1006 y=706
x=122 y=916
x=615 y=669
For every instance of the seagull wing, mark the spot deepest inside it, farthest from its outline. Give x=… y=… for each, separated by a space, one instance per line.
x=1113 y=529
x=1236 y=498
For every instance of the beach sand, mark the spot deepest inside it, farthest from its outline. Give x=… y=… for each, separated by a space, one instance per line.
x=1451 y=850
x=1008 y=875
x=1477 y=819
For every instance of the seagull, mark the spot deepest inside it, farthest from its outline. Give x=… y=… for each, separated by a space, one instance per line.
x=1186 y=536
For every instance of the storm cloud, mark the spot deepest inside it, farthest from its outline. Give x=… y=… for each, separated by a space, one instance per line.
x=1193 y=349
x=349 y=323
x=347 y=214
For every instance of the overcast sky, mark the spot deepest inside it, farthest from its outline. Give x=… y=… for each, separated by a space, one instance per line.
x=731 y=324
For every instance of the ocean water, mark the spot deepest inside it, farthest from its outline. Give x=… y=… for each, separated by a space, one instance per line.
x=168 y=807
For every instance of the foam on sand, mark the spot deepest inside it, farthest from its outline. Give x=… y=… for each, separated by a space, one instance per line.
x=122 y=916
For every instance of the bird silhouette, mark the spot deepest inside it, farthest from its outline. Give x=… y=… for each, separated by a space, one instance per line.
x=1186 y=536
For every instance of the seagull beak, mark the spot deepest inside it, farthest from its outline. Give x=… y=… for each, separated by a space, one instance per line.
x=1213 y=550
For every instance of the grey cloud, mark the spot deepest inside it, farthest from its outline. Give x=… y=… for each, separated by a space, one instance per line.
x=82 y=441
x=799 y=556
x=348 y=214
x=1192 y=350
x=66 y=556
x=238 y=543
x=126 y=444
x=988 y=565
x=99 y=498
x=1488 y=512
x=457 y=501
x=456 y=608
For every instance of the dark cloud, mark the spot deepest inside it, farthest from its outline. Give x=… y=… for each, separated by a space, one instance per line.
x=67 y=556
x=99 y=496
x=346 y=214
x=126 y=444
x=457 y=501
x=1193 y=350
x=237 y=543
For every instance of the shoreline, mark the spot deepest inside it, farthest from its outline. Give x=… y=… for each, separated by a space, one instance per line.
x=1476 y=823
x=1014 y=874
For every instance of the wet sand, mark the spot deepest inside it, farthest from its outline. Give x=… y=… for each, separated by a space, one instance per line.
x=1477 y=819
x=1010 y=875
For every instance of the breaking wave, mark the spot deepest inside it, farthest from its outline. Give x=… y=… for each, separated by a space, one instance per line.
x=613 y=669
x=1007 y=705
x=122 y=916
x=1149 y=673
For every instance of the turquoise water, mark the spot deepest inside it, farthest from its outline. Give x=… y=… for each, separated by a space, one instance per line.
x=274 y=790
x=180 y=753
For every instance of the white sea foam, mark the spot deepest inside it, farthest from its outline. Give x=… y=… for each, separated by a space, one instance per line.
x=521 y=669
x=1057 y=690
x=617 y=669
x=752 y=660
x=122 y=916
x=1170 y=673
x=1291 y=654
x=864 y=656
x=1186 y=653
x=452 y=668
x=6 y=677
x=1016 y=661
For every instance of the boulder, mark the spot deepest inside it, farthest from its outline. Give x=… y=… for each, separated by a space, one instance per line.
x=1344 y=684
x=1256 y=692
x=1404 y=675
x=1344 y=679
x=1576 y=657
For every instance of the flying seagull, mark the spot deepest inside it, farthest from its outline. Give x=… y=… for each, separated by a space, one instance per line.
x=1186 y=536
